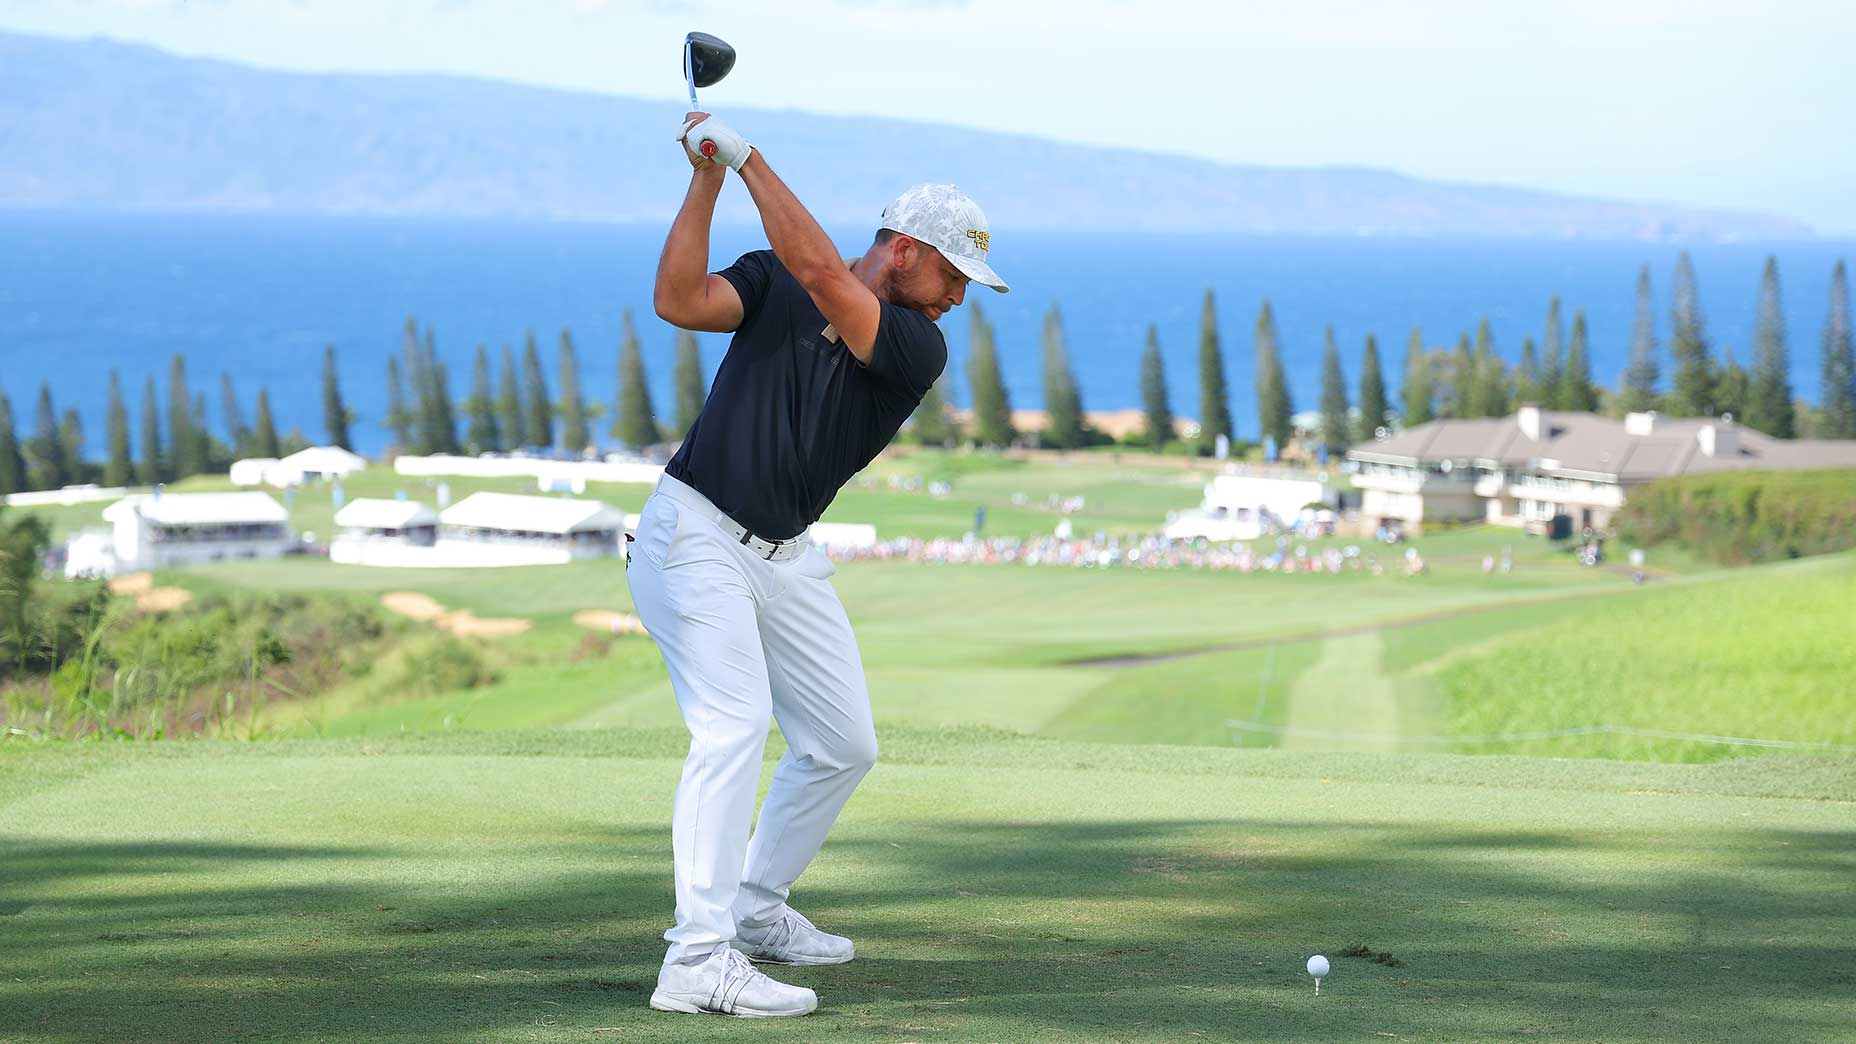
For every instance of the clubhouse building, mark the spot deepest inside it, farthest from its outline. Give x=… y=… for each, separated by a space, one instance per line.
x=1538 y=466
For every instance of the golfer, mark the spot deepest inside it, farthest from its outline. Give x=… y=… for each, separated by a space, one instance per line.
x=827 y=360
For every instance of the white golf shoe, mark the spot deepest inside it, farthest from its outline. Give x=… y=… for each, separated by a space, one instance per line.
x=793 y=940
x=726 y=984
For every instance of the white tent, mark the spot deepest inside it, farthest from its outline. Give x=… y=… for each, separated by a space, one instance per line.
x=375 y=513
x=517 y=513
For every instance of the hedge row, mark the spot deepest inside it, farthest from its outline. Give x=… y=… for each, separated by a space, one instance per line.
x=1745 y=516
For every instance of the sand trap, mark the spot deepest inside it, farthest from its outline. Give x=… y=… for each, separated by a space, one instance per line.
x=461 y=621
x=413 y=604
x=132 y=583
x=464 y=622
x=162 y=599
x=148 y=597
x=608 y=621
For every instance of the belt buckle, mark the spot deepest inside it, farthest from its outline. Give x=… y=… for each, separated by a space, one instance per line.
x=747 y=536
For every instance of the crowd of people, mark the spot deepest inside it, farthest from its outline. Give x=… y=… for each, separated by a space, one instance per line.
x=1146 y=552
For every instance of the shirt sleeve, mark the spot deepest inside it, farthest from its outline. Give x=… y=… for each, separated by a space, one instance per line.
x=751 y=275
x=909 y=353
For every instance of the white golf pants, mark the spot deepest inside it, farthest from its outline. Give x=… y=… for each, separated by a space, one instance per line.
x=746 y=638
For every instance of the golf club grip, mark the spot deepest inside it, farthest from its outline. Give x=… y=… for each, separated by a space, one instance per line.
x=708 y=148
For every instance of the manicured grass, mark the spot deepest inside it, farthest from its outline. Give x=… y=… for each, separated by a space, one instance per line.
x=990 y=645
x=513 y=887
x=1767 y=653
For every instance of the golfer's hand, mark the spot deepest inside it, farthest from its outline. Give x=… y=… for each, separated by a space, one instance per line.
x=704 y=133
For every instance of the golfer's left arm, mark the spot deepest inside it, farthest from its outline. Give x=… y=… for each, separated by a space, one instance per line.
x=807 y=252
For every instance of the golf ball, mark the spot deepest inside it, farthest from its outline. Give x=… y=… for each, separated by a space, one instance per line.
x=1318 y=966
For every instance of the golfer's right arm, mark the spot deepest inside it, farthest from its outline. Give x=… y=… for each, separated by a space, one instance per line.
x=688 y=295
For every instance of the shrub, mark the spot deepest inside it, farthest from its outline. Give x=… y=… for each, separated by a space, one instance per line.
x=1745 y=516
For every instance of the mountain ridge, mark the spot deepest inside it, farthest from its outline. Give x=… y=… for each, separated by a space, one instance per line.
x=100 y=124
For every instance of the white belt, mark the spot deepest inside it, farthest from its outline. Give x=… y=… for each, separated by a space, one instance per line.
x=771 y=550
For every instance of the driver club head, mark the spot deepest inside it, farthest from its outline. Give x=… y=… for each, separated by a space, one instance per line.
x=706 y=59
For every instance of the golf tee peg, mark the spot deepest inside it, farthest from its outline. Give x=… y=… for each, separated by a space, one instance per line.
x=1317 y=987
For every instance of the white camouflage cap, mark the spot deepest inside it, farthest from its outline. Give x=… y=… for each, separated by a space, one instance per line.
x=947 y=219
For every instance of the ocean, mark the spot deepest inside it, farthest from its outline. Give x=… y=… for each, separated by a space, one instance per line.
x=259 y=297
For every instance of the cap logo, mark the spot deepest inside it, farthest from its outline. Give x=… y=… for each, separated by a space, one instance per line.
x=984 y=239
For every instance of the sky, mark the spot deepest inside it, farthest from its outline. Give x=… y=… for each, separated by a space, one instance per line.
x=1701 y=102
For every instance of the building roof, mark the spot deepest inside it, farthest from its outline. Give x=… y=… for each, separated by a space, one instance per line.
x=200 y=509
x=375 y=513
x=324 y=459
x=514 y=511
x=1646 y=447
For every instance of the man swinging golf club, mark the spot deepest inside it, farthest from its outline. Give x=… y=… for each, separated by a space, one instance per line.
x=826 y=363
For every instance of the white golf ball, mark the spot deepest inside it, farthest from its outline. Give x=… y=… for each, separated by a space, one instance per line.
x=1318 y=966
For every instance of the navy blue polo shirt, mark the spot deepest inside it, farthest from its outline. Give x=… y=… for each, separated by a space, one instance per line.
x=792 y=414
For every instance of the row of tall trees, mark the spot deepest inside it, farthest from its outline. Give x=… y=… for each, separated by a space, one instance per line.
x=1471 y=380
x=171 y=441
x=518 y=412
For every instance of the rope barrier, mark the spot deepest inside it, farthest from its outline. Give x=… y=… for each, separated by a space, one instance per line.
x=1290 y=731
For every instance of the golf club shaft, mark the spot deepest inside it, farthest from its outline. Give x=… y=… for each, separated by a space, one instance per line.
x=689 y=76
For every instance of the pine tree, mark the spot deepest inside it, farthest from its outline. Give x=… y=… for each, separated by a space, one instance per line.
x=538 y=417
x=1063 y=404
x=690 y=392
x=1734 y=388
x=334 y=413
x=511 y=422
x=1769 y=406
x=1489 y=384
x=1576 y=389
x=575 y=437
x=45 y=451
x=930 y=424
x=12 y=462
x=1214 y=394
x=400 y=417
x=1419 y=390
x=71 y=441
x=1154 y=400
x=442 y=424
x=1274 y=407
x=1553 y=351
x=1462 y=380
x=1641 y=375
x=1527 y=387
x=992 y=405
x=1336 y=425
x=635 y=422
x=236 y=429
x=264 y=434
x=1373 y=406
x=152 y=467
x=183 y=443
x=209 y=452
x=1839 y=362
x=482 y=436
x=120 y=469
x=1692 y=394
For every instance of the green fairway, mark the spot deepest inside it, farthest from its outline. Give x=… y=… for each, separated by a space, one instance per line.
x=512 y=887
x=1006 y=646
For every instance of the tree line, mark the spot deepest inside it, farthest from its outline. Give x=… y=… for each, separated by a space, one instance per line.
x=517 y=412
x=176 y=440
x=1471 y=380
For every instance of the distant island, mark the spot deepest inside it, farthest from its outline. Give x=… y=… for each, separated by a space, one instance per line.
x=101 y=125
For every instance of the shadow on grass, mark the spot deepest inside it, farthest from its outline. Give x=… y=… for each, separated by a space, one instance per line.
x=1129 y=930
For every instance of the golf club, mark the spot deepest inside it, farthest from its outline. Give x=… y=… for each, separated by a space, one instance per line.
x=706 y=59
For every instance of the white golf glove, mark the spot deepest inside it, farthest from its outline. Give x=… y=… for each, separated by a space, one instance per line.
x=730 y=149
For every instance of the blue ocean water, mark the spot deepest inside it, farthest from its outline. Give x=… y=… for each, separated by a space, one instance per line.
x=258 y=297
